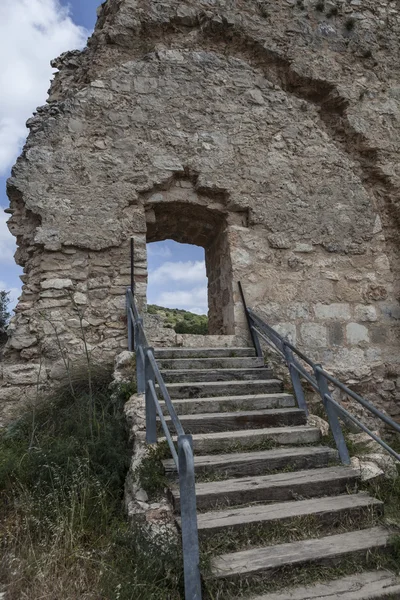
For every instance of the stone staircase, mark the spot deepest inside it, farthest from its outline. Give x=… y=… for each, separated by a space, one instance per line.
x=273 y=502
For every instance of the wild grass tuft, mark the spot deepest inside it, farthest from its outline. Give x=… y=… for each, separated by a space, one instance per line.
x=150 y=473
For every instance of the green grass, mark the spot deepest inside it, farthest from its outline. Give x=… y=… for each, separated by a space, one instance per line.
x=181 y=321
x=63 y=530
x=150 y=473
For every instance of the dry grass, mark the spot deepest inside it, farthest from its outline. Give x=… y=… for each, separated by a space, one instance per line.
x=63 y=532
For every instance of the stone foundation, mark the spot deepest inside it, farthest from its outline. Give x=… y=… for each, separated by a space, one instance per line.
x=268 y=134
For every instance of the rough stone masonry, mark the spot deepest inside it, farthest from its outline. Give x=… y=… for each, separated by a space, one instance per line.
x=266 y=132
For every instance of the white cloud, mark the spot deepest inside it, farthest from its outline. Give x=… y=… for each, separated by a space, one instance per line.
x=32 y=32
x=187 y=299
x=7 y=241
x=197 y=310
x=189 y=272
x=157 y=249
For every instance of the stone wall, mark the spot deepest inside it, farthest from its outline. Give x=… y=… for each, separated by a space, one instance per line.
x=268 y=132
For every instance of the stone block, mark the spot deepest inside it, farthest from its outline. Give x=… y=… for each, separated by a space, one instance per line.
x=288 y=331
x=99 y=282
x=333 y=311
x=52 y=303
x=22 y=338
x=365 y=312
x=80 y=298
x=145 y=85
x=298 y=310
x=356 y=333
x=77 y=324
x=375 y=292
x=24 y=374
x=391 y=311
x=303 y=248
x=336 y=335
x=279 y=241
x=314 y=335
x=56 y=284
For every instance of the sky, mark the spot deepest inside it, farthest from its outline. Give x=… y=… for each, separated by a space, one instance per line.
x=32 y=33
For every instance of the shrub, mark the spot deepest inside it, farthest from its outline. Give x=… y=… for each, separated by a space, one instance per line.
x=182 y=321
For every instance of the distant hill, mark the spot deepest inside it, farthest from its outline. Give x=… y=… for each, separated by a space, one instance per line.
x=182 y=321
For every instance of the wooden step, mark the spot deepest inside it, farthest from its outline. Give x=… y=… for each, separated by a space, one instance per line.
x=244 y=362
x=163 y=353
x=231 y=441
x=245 y=464
x=183 y=376
x=278 y=487
x=374 y=585
x=329 y=511
x=325 y=550
x=231 y=403
x=241 y=420
x=203 y=389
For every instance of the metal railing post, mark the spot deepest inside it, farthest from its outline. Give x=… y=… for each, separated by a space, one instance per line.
x=295 y=377
x=130 y=325
x=190 y=538
x=253 y=333
x=332 y=416
x=140 y=364
x=151 y=411
x=132 y=288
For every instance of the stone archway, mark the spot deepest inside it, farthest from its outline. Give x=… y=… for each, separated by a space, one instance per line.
x=183 y=215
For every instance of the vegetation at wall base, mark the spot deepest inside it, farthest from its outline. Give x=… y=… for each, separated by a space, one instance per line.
x=63 y=530
x=181 y=321
x=4 y=315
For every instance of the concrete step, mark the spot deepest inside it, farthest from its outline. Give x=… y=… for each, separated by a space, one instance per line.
x=327 y=511
x=280 y=487
x=241 y=420
x=198 y=389
x=246 y=464
x=238 y=441
x=373 y=585
x=198 y=406
x=322 y=551
x=249 y=362
x=183 y=376
x=163 y=353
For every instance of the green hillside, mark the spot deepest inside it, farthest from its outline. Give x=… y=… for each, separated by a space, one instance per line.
x=182 y=321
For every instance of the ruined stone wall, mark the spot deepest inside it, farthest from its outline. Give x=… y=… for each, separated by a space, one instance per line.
x=272 y=126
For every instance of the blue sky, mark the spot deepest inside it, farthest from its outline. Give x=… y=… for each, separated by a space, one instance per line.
x=32 y=32
x=177 y=276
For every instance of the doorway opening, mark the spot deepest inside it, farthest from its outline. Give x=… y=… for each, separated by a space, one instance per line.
x=201 y=235
x=177 y=286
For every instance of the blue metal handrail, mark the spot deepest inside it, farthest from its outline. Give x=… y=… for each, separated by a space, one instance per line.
x=319 y=379
x=148 y=373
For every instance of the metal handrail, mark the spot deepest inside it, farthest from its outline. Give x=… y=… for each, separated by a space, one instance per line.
x=148 y=373
x=318 y=378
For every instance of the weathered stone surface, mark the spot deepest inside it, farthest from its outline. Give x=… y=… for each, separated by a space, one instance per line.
x=315 y=421
x=356 y=333
x=314 y=335
x=80 y=299
x=24 y=374
x=365 y=313
x=275 y=149
x=333 y=311
x=56 y=284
